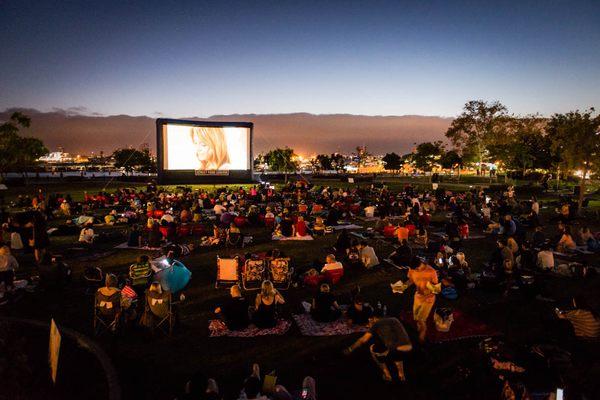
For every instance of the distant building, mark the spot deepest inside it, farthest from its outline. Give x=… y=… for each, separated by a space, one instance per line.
x=57 y=157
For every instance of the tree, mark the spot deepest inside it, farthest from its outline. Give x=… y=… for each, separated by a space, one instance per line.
x=576 y=137
x=427 y=154
x=259 y=161
x=450 y=160
x=281 y=160
x=480 y=124
x=338 y=162
x=323 y=162
x=130 y=159
x=17 y=151
x=524 y=146
x=361 y=155
x=392 y=162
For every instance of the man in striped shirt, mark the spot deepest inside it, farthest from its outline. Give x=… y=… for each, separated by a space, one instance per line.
x=586 y=323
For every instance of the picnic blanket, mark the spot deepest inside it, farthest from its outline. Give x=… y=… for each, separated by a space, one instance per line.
x=125 y=246
x=310 y=327
x=368 y=219
x=94 y=256
x=348 y=226
x=464 y=327
x=358 y=235
x=218 y=329
x=284 y=238
x=471 y=237
x=393 y=264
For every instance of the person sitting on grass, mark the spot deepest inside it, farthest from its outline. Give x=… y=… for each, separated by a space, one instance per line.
x=86 y=236
x=234 y=312
x=390 y=344
x=140 y=271
x=566 y=242
x=367 y=255
x=111 y=218
x=253 y=386
x=324 y=306
x=422 y=237
x=319 y=226
x=585 y=321
x=545 y=258
x=359 y=312
x=402 y=256
x=135 y=237
x=343 y=242
x=8 y=265
x=265 y=306
x=402 y=232
x=234 y=235
x=331 y=264
x=301 y=228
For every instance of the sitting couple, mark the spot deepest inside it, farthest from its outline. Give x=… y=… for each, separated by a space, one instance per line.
x=325 y=308
x=235 y=312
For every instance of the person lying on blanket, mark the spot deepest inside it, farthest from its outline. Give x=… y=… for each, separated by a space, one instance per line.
x=234 y=311
x=390 y=344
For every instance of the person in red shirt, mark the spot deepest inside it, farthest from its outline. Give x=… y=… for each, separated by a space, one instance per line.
x=301 y=228
x=402 y=233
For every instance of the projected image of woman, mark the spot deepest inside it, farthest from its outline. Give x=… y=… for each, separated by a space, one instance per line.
x=210 y=147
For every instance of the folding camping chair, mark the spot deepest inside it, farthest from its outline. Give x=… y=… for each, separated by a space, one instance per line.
x=107 y=312
x=280 y=273
x=93 y=277
x=253 y=274
x=228 y=271
x=160 y=308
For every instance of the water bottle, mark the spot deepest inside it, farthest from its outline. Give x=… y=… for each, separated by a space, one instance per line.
x=379 y=305
x=384 y=311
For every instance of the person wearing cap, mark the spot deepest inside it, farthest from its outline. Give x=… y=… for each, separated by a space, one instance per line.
x=390 y=344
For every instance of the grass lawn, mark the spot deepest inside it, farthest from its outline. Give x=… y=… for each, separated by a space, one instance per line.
x=157 y=367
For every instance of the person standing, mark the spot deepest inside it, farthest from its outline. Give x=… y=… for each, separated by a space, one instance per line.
x=390 y=344
x=424 y=277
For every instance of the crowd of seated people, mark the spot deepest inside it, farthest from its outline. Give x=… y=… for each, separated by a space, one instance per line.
x=522 y=246
x=255 y=387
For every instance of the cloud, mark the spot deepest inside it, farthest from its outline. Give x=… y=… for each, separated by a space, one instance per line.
x=77 y=110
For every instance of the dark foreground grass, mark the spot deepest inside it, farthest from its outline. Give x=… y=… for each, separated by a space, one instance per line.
x=157 y=367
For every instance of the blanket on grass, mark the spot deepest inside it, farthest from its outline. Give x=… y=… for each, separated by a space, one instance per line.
x=218 y=329
x=124 y=246
x=348 y=226
x=464 y=327
x=310 y=327
x=284 y=238
x=94 y=256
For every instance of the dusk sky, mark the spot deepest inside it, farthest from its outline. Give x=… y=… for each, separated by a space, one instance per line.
x=199 y=58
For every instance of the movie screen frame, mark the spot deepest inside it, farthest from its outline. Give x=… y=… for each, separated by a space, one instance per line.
x=190 y=176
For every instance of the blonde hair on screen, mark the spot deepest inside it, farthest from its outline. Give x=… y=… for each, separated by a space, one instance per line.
x=214 y=138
